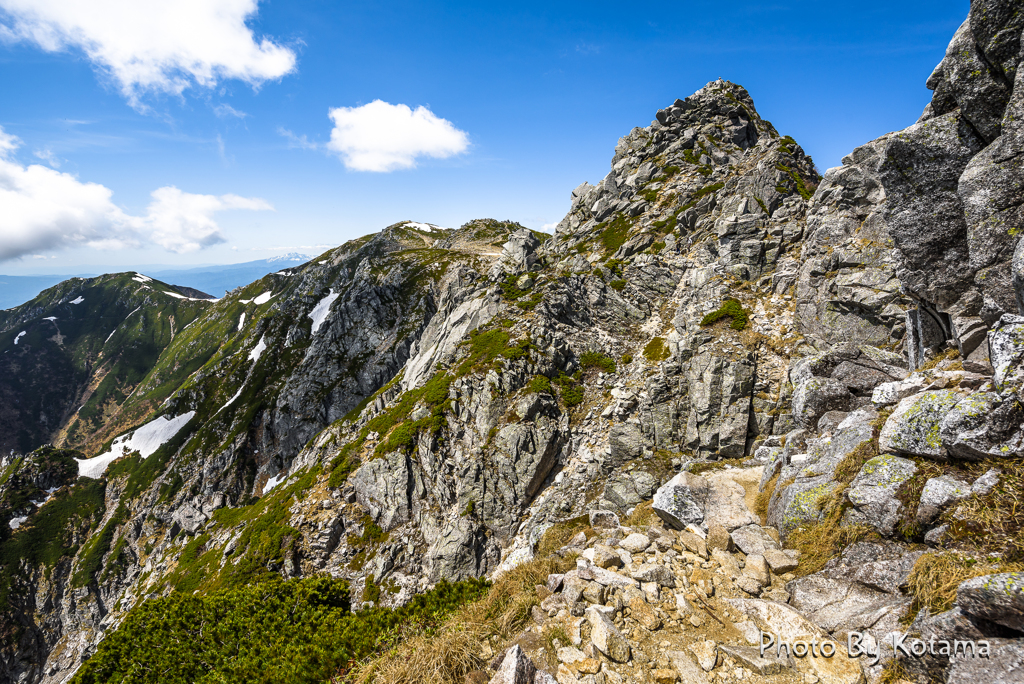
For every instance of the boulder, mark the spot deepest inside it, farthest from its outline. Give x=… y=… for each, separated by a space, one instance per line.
x=706 y=654
x=689 y=672
x=873 y=491
x=938 y=493
x=693 y=543
x=515 y=668
x=780 y=561
x=750 y=657
x=984 y=425
x=651 y=572
x=719 y=538
x=606 y=637
x=636 y=543
x=681 y=500
x=797 y=504
x=913 y=428
x=997 y=598
x=726 y=504
x=1004 y=665
x=1006 y=350
x=817 y=396
x=753 y=540
x=604 y=519
x=889 y=393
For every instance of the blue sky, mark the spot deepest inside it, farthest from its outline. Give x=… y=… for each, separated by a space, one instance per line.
x=200 y=131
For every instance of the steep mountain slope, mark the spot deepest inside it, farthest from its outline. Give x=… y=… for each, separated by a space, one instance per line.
x=74 y=355
x=426 y=404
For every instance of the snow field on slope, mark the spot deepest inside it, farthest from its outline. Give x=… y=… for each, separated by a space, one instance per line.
x=19 y=336
x=146 y=440
x=263 y=298
x=320 y=311
x=257 y=351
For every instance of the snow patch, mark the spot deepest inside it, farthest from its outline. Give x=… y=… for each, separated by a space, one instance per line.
x=139 y=278
x=77 y=300
x=320 y=311
x=273 y=482
x=146 y=440
x=244 y=301
x=257 y=351
x=241 y=320
x=50 y=318
x=19 y=336
x=284 y=273
x=16 y=522
x=262 y=299
x=232 y=399
x=425 y=227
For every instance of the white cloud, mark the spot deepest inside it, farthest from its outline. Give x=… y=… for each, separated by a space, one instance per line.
x=384 y=137
x=44 y=209
x=300 y=141
x=183 y=222
x=153 y=45
x=48 y=156
x=226 y=110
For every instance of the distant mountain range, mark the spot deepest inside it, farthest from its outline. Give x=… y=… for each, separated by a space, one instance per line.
x=212 y=280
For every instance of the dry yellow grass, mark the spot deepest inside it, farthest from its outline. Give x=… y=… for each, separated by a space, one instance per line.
x=641 y=516
x=446 y=656
x=823 y=540
x=935 y=577
x=764 y=497
x=559 y=534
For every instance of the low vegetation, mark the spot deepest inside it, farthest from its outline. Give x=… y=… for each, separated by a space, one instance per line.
x=935 y=577
x=731 y=309
x=305 y=628
x=656 y=350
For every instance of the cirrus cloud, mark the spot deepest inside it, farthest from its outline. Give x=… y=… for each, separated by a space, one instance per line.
x=44 y=209
x=152 y=45
x=382 y=137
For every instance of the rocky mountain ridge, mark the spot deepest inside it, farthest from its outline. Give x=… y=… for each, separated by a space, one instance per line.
x=426 y=404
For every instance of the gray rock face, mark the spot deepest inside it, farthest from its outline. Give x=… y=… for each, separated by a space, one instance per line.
x=753 y=540
x=796 y=504
x=515 y=668
x=938 y=493
x=997 y=598
x=873 y=491
x=817 y=396
x=681 y=500
x=984 y=425
x=1018 y=275
x=382 y=487
x=913 y=428
x=1006 y=349
x=1003 y=666
x=518 y=255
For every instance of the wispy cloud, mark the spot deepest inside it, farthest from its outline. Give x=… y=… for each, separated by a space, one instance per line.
x=225 y=110
x=47 y=156
x=297 y=141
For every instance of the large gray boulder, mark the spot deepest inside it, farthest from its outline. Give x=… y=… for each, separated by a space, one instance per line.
x=873 y=492
x=913 y=428
x=681 y=500
x=984 y=425
x=938 y=493
x=516 y=668
x=997 y=598
x=1006 y=350
x=518 y=255
x=797 y=504
x=816 y=396
x=382 y=488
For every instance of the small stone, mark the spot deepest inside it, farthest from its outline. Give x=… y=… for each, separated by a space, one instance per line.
x=588 y=666
x=606 y=557
x=719 y=538
x=594 y=593
x=693 y=543
x=515 y=668
x=664 y=676
x=706 y=653
x=659 y=574
x=757 y=567
x=555 y=582
x=643 y=613
x=749 y=585
x=780 y=562
x=604 y=519
x=936 y=536
x=696 y=620
x=635 y=543
x=606 y=637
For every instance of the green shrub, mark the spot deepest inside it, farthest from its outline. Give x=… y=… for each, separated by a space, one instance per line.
x=593 y=359
x=731 y=308
x=656 y=350
x=617 y=285
x=570 y=392
x=670 y=171
x=702 y=192
x=627 y=359
x=294 y=631
x=539 y=384
x=650 y=195
x=615 y=233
